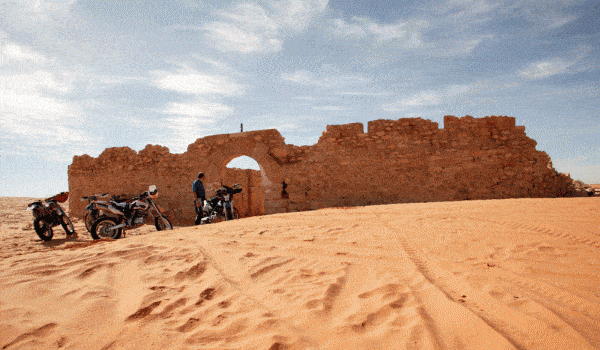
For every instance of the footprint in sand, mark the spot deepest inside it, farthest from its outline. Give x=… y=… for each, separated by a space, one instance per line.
x=207 y=294
x=189 y=326
x=41 y=332
x=143 y=312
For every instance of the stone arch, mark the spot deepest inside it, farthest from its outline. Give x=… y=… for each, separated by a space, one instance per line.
x=257 y=145
x=251 y=201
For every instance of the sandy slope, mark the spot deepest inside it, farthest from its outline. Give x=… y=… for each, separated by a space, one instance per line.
x=501 y=274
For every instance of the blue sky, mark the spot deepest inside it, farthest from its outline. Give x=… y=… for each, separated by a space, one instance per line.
x=80 y=76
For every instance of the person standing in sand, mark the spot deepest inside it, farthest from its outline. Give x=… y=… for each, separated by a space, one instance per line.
x=199 y=197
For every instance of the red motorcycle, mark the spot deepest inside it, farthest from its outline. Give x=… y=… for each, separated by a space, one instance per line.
x=49 y=214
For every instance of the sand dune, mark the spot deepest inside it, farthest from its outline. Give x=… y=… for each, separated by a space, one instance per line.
x=498 y=274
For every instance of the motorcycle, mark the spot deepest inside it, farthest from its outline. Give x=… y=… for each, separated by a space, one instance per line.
x=221 y=208
x=92 y=213
x=117 y=216
x=48 y=215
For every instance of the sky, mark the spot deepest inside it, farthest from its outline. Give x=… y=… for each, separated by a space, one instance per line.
x=77 y=77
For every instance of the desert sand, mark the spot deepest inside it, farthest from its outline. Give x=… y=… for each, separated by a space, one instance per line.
x=496 y=274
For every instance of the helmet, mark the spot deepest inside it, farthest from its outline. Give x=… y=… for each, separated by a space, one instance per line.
x=152 y=191
x=200 y=175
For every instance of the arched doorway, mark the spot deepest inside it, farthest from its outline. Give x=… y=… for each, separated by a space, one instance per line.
x=247 y=172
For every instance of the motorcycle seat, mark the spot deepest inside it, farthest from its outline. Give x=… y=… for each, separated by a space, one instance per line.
x=123 y=205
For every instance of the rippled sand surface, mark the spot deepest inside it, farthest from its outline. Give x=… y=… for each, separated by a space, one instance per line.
x=498 y=274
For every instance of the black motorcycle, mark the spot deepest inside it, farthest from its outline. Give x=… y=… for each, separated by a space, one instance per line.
x=92 y=213
x=49 y=214
x=220 y=207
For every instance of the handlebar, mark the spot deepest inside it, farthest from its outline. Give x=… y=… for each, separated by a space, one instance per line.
x=94 y=197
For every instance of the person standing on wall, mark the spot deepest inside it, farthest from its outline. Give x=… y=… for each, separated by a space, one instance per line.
x=199 y=197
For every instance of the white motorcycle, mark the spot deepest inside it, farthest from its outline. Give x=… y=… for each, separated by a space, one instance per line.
x=118 y=216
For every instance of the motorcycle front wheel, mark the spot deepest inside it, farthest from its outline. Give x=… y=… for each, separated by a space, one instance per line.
x=67 y=225
x=206 y=218
x=162 y=223
x=102 y=228
x=43 y=229
x=234 y=215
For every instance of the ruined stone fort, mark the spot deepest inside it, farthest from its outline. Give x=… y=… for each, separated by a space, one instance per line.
x=394 y=161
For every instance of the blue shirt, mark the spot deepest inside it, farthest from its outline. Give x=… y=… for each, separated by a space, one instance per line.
x=198 y=187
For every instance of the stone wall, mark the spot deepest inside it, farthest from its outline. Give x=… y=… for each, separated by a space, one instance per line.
x=395 y=161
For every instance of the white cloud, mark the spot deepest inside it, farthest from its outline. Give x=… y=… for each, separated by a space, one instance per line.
x=201 y=111
x=363 y=93
x=547 y=14
x=251 y=28
x=299 y=77
x=547 y=68
x=23 y=94
x=246 y=28
x=544 y=69
x=196 y=83
x=190 y=121
x=112 y=80
x=469 y=8
x=31 y=111
x=39 y=11
x=330 y=108
x=36 y=81
x=341 y=29
x=428 y=98
x=41 y=119
x=405 y=35
x=32 y=106
x=11 y=53
x=325 y=79
x=185 y=131
x=297 y=15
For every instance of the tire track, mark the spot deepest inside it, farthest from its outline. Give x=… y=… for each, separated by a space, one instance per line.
x=561 y=303
x=549 y=292
x=521 y=330
x=515 y=225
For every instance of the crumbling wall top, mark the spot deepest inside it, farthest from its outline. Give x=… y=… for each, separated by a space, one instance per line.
x=344 y=131
x=402 y=126
x=468 y=122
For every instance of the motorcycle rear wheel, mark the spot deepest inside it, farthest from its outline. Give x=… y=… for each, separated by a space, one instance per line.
x=43 y=229
x=102 y=228
x=89 y=221
x=67 y=225
x=162 y=223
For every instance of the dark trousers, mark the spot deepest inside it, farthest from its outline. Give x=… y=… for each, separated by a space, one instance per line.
x=199 y=212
